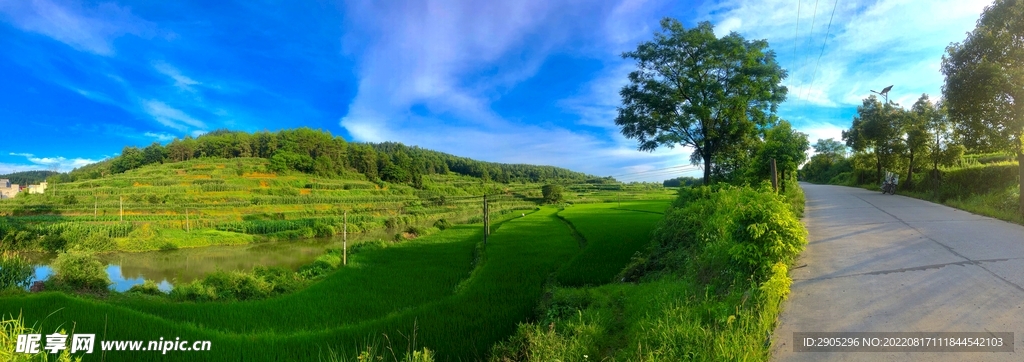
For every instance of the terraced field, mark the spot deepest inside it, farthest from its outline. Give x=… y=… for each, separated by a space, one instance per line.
x=457 y=296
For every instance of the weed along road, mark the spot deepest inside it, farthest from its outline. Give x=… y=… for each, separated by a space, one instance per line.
x=881 y=263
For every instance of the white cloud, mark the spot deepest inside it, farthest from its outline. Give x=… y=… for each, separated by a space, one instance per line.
x=454 y=58
x=162 y=137
x=180 y=80
x=91 y=30
x=170 y=116
x=870 y=43
x=48 y=163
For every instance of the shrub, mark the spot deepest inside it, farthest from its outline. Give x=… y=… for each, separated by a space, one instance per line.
x=147 y=287
x=552 y=193
x=80 y=270
x=15 y=271
x=54 y=243
x=442 y=224
x=723 y=235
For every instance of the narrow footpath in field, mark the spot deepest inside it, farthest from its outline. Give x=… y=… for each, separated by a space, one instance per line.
x=882 y=263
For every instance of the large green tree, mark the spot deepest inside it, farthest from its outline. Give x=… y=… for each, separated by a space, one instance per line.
x=786 y=146
x=917 y=133
x=831 y=150
x=984 y=88
x=694 y=89
x=876 y=129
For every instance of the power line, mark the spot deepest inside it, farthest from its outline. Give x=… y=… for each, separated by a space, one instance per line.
x=814 y=16
x=823 y=42
x=796 y=34
x=655 y=170
x=661 y=174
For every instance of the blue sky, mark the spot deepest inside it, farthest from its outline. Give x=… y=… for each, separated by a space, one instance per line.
x=506 y=81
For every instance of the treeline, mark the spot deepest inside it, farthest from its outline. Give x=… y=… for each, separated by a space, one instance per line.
x=318 y=152
x=683 y=181
x=28 y=177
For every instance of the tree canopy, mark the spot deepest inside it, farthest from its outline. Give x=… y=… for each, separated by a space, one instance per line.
x=694 y=89
x=984 y=87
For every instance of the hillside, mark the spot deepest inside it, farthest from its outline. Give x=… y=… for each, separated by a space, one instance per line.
x=162 y=197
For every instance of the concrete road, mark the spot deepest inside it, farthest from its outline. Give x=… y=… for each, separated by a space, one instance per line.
x=882 y=263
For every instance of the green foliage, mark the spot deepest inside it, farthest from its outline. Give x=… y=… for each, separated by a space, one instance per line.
x=682 y=181
x=442 y=224
x=716 y=297
x=28 y=177
x=552 y=193
x=147 y=287
x=786 y=146
x=79 y=270
x=11 y=327
x=669 y=99
x=724 y=236
x=15 y=271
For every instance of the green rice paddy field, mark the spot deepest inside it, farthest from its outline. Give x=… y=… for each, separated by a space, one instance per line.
x=454 y=295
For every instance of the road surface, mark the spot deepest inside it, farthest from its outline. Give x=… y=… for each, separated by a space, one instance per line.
x=883 y=263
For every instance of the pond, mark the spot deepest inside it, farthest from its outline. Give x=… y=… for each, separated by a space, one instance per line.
x=185 y=265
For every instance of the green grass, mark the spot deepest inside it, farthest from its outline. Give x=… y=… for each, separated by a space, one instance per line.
x=695 y=299
x=613 y=234
x=310 y=323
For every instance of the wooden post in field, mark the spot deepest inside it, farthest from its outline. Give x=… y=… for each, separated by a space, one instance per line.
x=188 y=226
x=344 y=240
x=775 y=177
x=120 y=201
x=95 y=207
x=487 y=226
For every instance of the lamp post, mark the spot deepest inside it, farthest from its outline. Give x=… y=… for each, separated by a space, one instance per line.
x=884 y=93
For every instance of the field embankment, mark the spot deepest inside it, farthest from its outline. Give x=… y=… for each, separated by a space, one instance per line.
x=707 y=287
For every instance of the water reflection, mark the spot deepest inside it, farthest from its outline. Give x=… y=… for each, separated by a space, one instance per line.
x=185 y=265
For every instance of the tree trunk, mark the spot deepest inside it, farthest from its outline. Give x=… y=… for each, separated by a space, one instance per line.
x=910 y=171
x=878 y=168
x=707 y=169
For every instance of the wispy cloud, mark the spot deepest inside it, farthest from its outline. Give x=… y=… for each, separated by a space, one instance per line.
x=459 y=58
x=180 y=80
x=162 y=137
x=870 y=44
x=48 y=163
x=91 y=30
x=170 y=116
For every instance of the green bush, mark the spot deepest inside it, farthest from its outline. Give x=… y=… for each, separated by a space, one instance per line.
x=15 y=271
x=442 y=224
x=147 y=287
x=723 y=235
x=79 y=270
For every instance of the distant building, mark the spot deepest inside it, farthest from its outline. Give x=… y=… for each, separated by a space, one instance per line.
x=37 y=189
x=7 y=189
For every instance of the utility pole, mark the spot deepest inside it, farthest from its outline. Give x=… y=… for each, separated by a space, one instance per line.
x=344 y=240
x=121 y=203
x=487 y=224
x=95 y=207
x=775 y=177
x=188 y=226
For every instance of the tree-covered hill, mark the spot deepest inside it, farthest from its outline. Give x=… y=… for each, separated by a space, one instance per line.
x=319 y=153
x=28 y=177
